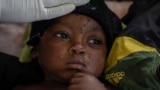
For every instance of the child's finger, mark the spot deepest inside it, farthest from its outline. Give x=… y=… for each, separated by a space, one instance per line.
x=75 y=81
x=78 y=75
x=73 y=87
x=76 y=78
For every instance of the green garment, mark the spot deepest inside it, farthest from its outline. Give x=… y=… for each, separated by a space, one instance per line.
x=133 y=66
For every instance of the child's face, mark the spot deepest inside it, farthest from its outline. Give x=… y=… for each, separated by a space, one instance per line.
x=76 y=43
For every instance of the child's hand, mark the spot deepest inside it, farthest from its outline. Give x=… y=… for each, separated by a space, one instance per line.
x=82 y=81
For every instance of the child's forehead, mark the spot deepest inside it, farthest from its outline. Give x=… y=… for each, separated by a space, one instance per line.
x=82 y=26
x=74 y=18
x=78 y=18
x=76 y=15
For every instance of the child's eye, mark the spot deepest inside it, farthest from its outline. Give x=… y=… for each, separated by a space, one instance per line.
x=62 y=35
x=95 y=41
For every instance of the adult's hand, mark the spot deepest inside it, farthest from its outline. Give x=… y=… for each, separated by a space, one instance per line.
x=21 y=11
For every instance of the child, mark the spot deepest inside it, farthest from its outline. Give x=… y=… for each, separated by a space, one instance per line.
x=69 y=52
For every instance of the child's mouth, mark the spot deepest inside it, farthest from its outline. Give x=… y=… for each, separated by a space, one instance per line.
x=76 y=65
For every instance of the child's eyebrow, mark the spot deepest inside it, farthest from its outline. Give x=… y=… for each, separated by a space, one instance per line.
x=95 y=28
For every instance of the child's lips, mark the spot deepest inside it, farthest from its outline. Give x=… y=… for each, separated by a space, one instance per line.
x=75 y=65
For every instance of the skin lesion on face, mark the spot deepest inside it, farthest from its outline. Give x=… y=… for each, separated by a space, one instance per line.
x=82 y=43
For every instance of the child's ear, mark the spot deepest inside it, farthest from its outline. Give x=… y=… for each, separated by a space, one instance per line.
x=34 y=52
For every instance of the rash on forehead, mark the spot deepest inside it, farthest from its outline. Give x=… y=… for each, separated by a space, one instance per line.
x=85 y=24
x=96 y=28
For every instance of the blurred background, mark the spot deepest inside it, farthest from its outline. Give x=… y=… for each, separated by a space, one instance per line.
x=119 y=7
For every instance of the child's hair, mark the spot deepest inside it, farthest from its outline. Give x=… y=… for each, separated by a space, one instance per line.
x=97 y=10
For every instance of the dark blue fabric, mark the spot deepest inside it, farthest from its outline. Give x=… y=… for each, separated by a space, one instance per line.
x=13 y=73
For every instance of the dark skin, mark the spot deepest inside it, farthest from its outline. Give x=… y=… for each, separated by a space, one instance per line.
x=72 y=55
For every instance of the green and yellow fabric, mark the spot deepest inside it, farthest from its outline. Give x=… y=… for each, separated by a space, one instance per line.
x=26 y=51
x=134 y=60
x=133 y=66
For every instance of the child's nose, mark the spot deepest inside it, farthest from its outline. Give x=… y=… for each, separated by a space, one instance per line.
x=77 y=48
